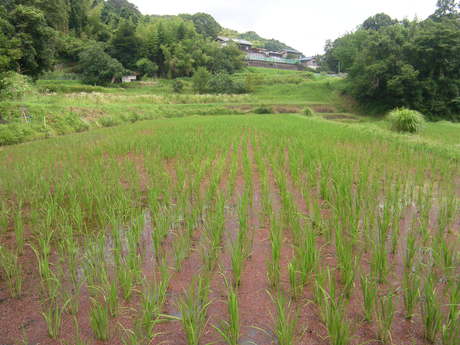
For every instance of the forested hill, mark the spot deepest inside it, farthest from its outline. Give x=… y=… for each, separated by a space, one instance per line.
x=256 y=40
x=112 y=35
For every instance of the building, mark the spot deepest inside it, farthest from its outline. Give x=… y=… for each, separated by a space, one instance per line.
x=242 y=44
x=310 y=62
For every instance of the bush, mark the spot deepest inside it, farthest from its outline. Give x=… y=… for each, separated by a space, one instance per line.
x=406 y=120
x=263 y=110
x=14 y=86
x=14 y=133
x=308 y=112
x=200 y=80
x=178 y=86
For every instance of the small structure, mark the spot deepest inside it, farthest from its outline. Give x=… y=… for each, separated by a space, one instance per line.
x=128 y=78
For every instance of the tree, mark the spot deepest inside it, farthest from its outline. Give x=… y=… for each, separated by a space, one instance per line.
x=206 y=25
x=36 y=40
x=447 y=8
x=125 y=45
x=56 y=13
x=97 y=67
x=78 y=16
x=10 y=52
x=378 y=22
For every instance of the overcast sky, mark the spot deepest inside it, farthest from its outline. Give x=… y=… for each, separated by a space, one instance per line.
x=302 y=24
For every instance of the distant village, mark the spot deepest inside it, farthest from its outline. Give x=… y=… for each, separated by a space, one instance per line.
x=260 y=57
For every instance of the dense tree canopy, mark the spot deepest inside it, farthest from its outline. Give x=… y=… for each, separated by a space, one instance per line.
x=413 y=64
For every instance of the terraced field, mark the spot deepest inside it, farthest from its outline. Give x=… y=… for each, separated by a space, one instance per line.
x=242 y=229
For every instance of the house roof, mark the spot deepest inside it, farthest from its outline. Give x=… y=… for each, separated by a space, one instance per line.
x=236 y=40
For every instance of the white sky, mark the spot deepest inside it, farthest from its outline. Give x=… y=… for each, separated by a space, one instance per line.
x=302 y=24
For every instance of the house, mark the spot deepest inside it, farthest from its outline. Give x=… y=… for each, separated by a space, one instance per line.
x=128 y=78
x=242 y=44
x=310 y=62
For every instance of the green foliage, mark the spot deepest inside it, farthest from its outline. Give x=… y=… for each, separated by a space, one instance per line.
x=14 y=86
x=178 y=86
x=410 y=64
x=146 y=67
x=308 y=112
x=97 y=67
x=406 y=120
x=36 y=40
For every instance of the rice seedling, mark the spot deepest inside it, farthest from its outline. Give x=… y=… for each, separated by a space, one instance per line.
x=384 y=315
x=306 y=255
x=4 y=217
x=152 y=300
x=411 y=293
x=285 y=320
x=237 y=262
x=193 y=306
x=294 y=280
x=181 y=248
x=53 y=309
x=274 y=262
x=12 y=270
x=19 y=231
x=430 y=310
x=337 y=326
x=379 y=261
x=127 y=279
x=111 y=293
x=230 y=330
x=369 y=291
x=99 y=317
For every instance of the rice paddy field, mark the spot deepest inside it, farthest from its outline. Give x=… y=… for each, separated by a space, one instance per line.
x=232 y=229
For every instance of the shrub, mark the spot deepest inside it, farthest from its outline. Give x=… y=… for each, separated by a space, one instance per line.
x=14 y=86
x=263 y=110
x=178 y=86
x=308 y=112
x=406 y=120
x=98 y=67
